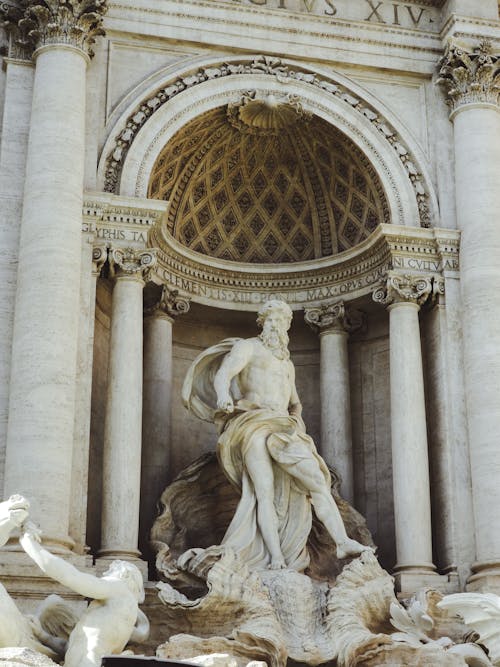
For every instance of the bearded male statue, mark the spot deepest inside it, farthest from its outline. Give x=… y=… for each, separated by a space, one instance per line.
x=247 y=388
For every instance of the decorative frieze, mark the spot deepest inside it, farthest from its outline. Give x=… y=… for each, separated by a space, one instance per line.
x=470 y=76
x=170 y=304
x=335 y=316
x=36 y=23
x=131 y=263
x=398 y=288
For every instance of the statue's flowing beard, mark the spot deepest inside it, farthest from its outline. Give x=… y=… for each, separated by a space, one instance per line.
x=279 y=347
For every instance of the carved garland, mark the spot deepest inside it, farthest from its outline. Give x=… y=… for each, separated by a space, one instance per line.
x=270 y=67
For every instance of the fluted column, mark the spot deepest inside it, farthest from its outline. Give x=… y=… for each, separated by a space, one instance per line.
x=403 y=296
x=44 y=351
x=123 y=423
x=334 y=322
x=158 y=321
x=471 y=78
x=19 y=75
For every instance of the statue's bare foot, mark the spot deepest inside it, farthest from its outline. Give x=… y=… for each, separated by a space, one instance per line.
x=351 y=548
x=277 y=564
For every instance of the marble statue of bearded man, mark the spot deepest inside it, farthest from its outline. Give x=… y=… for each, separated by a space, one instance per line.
x=247 y=388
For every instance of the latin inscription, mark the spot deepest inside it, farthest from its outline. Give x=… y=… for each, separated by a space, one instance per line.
x=114 y=234
x=404 y=14
x=194 y=288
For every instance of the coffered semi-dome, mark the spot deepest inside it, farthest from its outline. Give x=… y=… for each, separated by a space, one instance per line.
x=263 y=182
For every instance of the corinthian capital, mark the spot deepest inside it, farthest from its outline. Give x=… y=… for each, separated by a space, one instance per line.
x=470 y=75
x=398 y=288
x=131 y=263
x=35 y=23
x=333 y=317
x=169 y=304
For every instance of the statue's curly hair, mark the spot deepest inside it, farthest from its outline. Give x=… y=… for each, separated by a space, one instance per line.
x=272 y=305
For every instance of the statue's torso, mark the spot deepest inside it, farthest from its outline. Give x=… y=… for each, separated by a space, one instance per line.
x=266 y=380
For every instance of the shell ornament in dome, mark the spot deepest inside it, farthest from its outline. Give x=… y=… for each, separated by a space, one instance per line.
x=266 y=115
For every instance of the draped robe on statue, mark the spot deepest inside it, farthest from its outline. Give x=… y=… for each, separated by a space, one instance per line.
x=287 y=444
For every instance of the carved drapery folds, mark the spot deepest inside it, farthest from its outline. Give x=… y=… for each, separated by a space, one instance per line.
x=131 y=263
x=36 y=23
x=398 y=288
x=470 y=76
x=334 y=317
x=170 y=304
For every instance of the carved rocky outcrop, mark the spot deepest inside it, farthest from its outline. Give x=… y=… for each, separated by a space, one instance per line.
x=341 y=612
x=470 y=75
x=35 y=23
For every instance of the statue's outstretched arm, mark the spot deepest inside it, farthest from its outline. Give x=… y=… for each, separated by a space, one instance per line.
x=233 y=363
x=62 y=571
x=295 y=406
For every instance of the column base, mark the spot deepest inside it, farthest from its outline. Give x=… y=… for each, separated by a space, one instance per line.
x=409 y=579
x=106 y=557
x=485 y=577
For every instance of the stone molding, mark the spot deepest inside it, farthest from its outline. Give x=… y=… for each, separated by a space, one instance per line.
x=122 y=221
x=470 y=75
x=282 y=71
x=131 y=263
x=334 y=317
x=128 y=222
x=403 y=288
x=170 y=305
x=36 y=23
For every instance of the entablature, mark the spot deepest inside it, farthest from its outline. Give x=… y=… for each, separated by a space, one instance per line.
x=132 y=222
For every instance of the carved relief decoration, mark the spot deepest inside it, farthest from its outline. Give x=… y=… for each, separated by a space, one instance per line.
x=470 y=75
x=266 y=185
x=132 y=263
x=406 y=287
x=35 y=23
x=271 y=67
x=334 y=316
x=169 y=303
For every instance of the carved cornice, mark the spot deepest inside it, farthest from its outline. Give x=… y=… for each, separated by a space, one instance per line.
x=470 y=76
x=170 y=304
x=335 y=316
x=403 y=288
x=36 y=23
x=271 y=67
x=131 y=263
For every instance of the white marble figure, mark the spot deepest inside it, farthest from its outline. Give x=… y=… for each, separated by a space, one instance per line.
x=13 y=513
x=111 y=620
x=247 y=386
x=481 y=612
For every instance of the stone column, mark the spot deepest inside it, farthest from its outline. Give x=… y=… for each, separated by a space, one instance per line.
x=43 y=371
x=334 y=322
x=156 y=413
x=19 y=75
x=123 y=424
x=470 y=78
x=94 y=256
x=410 y=461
